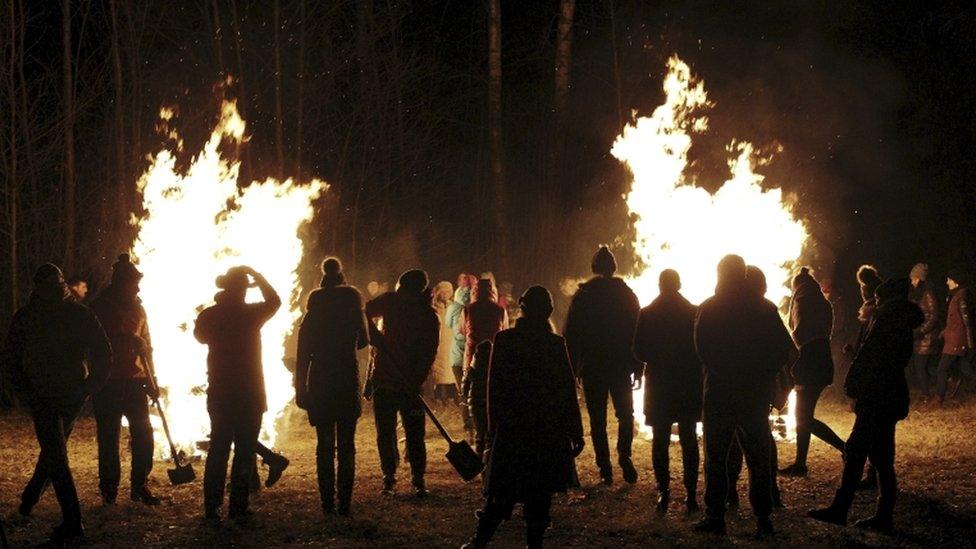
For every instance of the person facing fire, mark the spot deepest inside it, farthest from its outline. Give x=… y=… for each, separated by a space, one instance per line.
x=599 y=332
x=876 y=382
x=533 y=421
x=236 y=397
x=924 y=296
x=665 y=342
x=129 y=386
x=455 y=321
x=327 y=381
x=483 y=317
x=442 y=380
x=959 y=335
x=405 y=354
x=741 y=343
x=55 y=355
x=475 y=393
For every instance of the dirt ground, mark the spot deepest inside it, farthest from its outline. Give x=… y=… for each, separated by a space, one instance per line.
x=936 y=506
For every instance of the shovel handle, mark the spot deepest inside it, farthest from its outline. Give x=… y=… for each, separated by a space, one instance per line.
x=162 y=415
x=433 y=418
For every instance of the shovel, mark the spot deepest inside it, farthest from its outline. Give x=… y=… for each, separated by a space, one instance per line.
x=183 y=473
x=459 y=453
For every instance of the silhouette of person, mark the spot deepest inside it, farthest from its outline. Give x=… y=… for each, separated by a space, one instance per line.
x=405 y=355
x=120 y=311
x=327 y=380
x=959 y=335
x=455 y=321
x=665 y=341
x=483 y=317
x=78 y=287
x=55 y=355
x=876 y=382
x=600 y=333
x=533 y=420
x=475 y=391
x=236 y=397
x=927 y=334
x=741 y=342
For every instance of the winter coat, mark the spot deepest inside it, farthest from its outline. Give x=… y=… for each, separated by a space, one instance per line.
x=876 y=379
x=455 y=321
x=532 y=413
x=127 y=327
x=407 y=346
x=600 y=329
x=56 y=350
x=327 y=372
x=475 y=385
x=665 y=341
x=925 y=335
x=811 y=323
x=483 y=318
x=742 y=344
x=232 y=330
x=958 y=332
x=442 y=373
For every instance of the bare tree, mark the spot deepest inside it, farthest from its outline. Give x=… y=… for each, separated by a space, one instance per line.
x=69 y=137
x=499 y=246
x=279 y=121
x=11 y=181
x=300 y=107
x=121 y=174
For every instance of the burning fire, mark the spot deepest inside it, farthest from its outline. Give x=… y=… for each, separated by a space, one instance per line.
x=196 y=225
x=684 y=227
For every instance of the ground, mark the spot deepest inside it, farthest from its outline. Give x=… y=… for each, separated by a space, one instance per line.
x=936 y=506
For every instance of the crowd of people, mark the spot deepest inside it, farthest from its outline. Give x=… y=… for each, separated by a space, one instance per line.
x=724 y=362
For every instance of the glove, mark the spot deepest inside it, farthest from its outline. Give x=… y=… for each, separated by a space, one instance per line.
x=152 y=389
x=576 y=445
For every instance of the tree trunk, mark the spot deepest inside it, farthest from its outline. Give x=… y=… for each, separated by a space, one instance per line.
x=69 y=138
x=299 y=137
x=616 y=63
x=279 y=123
x=564 y=47
x=218 y=37
x=121 y=175
x=12 y=182
x=498 y=248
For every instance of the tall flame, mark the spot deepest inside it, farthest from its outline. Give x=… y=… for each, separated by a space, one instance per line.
x=196 y=225
x=684 y=227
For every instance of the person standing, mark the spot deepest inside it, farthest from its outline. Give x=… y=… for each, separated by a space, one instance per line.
x=483 y=317
x=129 y=386
x=442 y=374
x=924 y=296
x=56 y=354
x=236 y=397
x=740 y=343
x=876 y=382
x=327 y=381
x=958 y=337
x=534 y=423
x=405 y=354
x=455 y=321
x=665 y=342
x=599 y=332
x=811 y=325
x=78 y=287
x=475 y=393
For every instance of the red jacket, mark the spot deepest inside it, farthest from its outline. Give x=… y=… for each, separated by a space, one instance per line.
x=483 y=318
x=958 y=332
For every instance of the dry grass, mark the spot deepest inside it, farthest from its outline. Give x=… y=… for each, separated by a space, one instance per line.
x=937 y=504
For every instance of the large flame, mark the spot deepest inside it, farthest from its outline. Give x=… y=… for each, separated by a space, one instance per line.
x=197 y=224
x=684 y=227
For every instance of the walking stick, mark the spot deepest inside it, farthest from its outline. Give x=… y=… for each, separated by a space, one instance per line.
x=183 y=473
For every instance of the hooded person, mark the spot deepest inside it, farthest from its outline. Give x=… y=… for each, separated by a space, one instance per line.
x=925 y=348
x=55 y=355
x=959 y=335
x=129 y=387
x=533 y=422
x=455 y=321
x=876 y=382
x=665 y=341
x=327 y=381
x=811 y=324
x=868 y=281
x=406 y=349
x=442 y=374
x=483 y=317
x=599 y=331
x=236 y=398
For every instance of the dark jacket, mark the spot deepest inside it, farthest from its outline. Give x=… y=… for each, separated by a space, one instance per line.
x=56 y=350
x=600 y=329
x=483 y=318
x=125 y=323
x=232 y=330
x=665 y=341
x=926 y=334
x=959 y=323
x=532 y=413
x=474 y=388
x=408 y=344
x=327 y=371
x=876 y=379
x=811 y=323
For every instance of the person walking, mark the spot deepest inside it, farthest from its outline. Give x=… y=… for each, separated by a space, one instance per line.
x=56 y=355
x=959 y=336
x=925 y=336
x=876 y=382
x=533 y=420
x=599 y=331
x=665 y=341
x=236 y=397
x=327 y=381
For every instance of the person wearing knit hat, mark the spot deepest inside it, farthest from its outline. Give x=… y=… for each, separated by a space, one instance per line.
x=959 y=335
x=923 y=295
x=868 y=280
x=599 y=332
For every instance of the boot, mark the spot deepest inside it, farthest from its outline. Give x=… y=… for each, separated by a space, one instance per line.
x=877 y=523
x=534 y=533
x=764 y=528
x=691 y=504
x=663 y=499
x=830 y=515
x=109 y=495
x=420 y=487
x=389 y=485
x=144 y=496
x=710 y=525
x=794 y=470
x=606 y=475
x=276 y=467
x=486 y=530
x=628 y=470
x=67 y=536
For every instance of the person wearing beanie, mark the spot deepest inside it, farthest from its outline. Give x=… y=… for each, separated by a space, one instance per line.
x=327 y=381
x=925 y=336
x=600 y=333
x=534 y=423
x=811 y=324
x=665 y=341
x=129 y=387
x=55 y=355
x=876 y=381
x=406 y=349
x=959 y=336
x=236 y=398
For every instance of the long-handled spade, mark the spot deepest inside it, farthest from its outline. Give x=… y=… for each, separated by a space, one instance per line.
x=183 y=473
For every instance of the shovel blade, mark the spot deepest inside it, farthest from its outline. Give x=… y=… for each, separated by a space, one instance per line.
x=465 y=460
x=182 y=474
